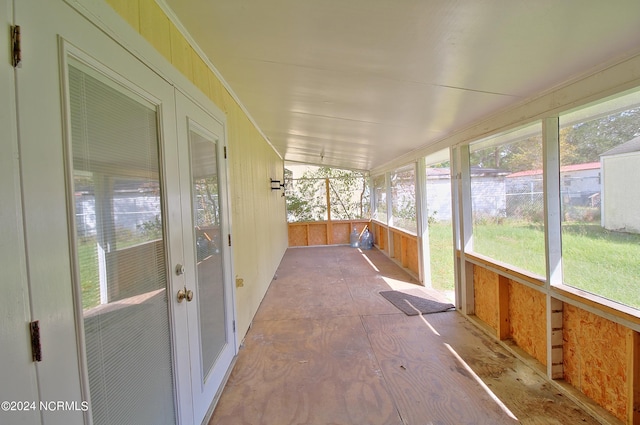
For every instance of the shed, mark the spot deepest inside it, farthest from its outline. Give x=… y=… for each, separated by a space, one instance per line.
x=621 y=186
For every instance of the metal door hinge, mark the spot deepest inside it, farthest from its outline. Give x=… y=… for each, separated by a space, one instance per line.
x=229 y=239
x=36 y=349
x=16 y=47
x=225 y=152
x=234 y=326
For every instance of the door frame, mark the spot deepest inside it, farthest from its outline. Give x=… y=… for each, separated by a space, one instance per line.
x=164 y=101
x=62 y=374
x=15 y=309
x=170 y=110
x=189 y=112
x=169 y=115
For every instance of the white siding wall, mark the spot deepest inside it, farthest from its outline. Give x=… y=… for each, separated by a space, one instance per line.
x=621 y=192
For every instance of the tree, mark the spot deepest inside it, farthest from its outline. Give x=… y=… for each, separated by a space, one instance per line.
x=586 y=141
x=516 y=156
x=306 y=197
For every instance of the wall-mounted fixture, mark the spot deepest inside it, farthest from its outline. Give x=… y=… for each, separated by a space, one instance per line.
x=277 y=184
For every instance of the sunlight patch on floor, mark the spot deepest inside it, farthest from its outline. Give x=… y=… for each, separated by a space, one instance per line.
x=484 y=386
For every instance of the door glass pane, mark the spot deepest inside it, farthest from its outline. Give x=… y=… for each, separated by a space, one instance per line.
x=120 y=251
x=208 y=239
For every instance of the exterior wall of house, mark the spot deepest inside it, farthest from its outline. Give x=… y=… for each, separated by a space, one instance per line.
x=258 y=214
x=621 y=192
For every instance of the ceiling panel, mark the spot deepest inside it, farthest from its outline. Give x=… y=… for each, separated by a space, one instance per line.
x=357 y=83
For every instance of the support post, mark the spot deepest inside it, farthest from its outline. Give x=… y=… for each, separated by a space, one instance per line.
x=422 y=213
x=504 y=323
x=461 y=185
x=633 y=377
x=551 y=182
x=329 y=225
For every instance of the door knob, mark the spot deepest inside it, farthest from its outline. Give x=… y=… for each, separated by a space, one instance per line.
x=185 y=294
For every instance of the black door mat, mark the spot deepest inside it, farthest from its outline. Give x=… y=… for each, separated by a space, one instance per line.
x=412 y=304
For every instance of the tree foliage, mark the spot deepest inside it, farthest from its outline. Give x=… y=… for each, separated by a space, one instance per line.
x=307 y=196
x=579 y=143
x=588 y=140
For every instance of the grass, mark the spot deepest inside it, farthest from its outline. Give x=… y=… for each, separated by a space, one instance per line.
x=517 y=244
x=602 y=262
x=88 y=264
x=89 y=278
x=594 y=259
x=441 y=250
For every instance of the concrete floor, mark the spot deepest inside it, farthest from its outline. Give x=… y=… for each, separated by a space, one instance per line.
x=326 y=348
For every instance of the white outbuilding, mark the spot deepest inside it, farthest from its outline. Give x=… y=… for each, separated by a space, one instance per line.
x=621 y=187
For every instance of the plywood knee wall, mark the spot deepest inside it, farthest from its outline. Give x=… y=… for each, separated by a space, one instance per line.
x=599 y=357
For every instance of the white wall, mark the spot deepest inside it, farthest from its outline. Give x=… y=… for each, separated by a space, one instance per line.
x=621 y=192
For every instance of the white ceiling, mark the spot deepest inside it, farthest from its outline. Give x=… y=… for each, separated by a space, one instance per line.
x=357 y=83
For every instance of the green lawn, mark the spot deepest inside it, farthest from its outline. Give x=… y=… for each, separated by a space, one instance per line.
x=87 y=261
x=602 y=262
x=517 y=244
x=594 y=259
x=441 y=248
x=88 y=264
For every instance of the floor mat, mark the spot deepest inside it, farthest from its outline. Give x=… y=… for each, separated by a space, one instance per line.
x=415 y=303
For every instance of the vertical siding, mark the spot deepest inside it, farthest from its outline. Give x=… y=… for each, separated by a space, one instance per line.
x=154 y=26
x=257 y=213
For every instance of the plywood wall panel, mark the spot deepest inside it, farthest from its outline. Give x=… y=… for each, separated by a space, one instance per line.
x=527 y=317
x=317 y=234
x=397 y=246
x=412 y=255
x=298 y=235
x=633 y=377
x=341 y=233
x=595 y=358
x=380 y=236
x=485 y=288
x=383 y=237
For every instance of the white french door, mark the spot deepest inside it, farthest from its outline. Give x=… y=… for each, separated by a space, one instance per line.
x=208 y=291
x=124 y=178
x=120 y=218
